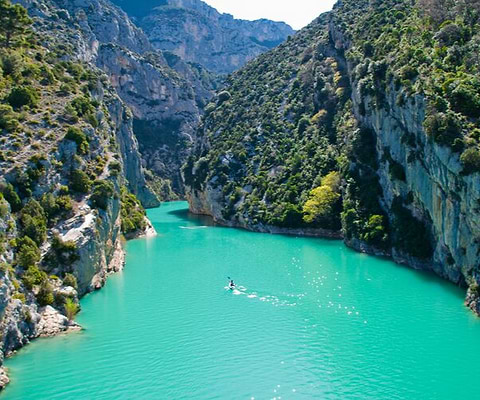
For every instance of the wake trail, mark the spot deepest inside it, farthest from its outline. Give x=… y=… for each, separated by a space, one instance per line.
x=287 y=301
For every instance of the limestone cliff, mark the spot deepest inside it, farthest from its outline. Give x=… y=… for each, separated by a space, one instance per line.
x=69 y=171
x=196 y=32
x=165 y=99
x=359 y=128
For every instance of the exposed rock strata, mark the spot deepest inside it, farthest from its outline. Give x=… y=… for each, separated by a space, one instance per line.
x=198 y=33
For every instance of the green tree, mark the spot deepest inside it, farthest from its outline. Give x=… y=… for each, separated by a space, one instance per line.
x=11 y=196
x=322 y=199
x=45 y=294
x=14 y=21
x=34 y=221
x=71 y=309
x=70 y=280
x=320 y=203
x=28 y=253
x=471 y=160
x=34 y=277
x=23 y=96
x=76 y=135
x=80 y=181
x=102 y=192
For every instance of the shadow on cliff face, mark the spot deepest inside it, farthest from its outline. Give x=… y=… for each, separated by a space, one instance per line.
x=164 y=148
x=186 y=215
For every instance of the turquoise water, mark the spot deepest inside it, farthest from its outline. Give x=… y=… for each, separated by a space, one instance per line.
x=313 y=320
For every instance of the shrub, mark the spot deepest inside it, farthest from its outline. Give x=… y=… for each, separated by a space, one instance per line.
x=465 y=99
x=449 y=34
x=11 y=63
x=80 y=182
x=45 y=294
x=34 y=277
x=19 y=296
x=82 y=106
x=76 y=135
x=71 y=309
x=70 y=280
x=303 y=124
x=4 y=209
x=132 y=213
x=470 y=159
x=55 y=205
x=67 y=88
x=115 y=168
x=8 y=118
x=28 y=253
x=64 y=203
x=444 y=128
x=65 y=251
x=34 y=221
x=11 y=196
x=375 y=231
x=102 y=192
x=23 y=96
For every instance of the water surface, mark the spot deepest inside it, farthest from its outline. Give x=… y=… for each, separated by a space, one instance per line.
x=312 y=320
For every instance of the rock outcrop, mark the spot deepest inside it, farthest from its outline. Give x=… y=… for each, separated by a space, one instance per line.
x=165 y=100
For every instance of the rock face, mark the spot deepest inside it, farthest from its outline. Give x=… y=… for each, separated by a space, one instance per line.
x=165 y=98
x=335 y=102
x=76 y=242
x=198 y=33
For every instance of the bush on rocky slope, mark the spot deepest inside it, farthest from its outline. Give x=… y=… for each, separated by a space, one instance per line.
x=61 y=169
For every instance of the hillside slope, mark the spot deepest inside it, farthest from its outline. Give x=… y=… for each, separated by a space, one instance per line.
x=68 y=161
x=364 y=125
x=166 y=96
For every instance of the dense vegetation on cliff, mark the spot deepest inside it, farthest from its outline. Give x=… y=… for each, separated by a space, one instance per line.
x=60 y=167
x=367 y=121
x=281 y=126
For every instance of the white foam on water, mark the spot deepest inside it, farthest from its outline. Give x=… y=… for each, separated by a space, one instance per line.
x=193 y=228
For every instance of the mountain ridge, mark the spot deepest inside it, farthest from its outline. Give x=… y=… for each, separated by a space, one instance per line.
x=198 y=33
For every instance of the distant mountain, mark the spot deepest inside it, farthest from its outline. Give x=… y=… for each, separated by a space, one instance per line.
x=198 y=33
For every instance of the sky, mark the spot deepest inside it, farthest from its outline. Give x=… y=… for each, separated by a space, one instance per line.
x=296 y=13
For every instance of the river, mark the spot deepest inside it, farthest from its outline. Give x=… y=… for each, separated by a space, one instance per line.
x=311 y=320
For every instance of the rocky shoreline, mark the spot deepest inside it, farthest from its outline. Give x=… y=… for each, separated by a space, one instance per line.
x=52 y=323
x=49 y=322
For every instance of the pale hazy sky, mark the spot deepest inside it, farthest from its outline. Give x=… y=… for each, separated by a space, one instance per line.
x=297 y=13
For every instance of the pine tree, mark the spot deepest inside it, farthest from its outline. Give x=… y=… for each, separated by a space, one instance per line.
x=14 y=21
